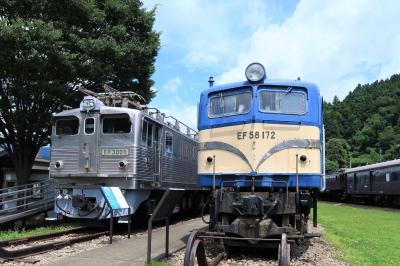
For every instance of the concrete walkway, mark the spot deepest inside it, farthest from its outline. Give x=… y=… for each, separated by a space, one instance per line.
x=134 y=251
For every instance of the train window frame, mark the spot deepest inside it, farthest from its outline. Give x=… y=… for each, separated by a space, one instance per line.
x=94 y=126
x=146 y=143
x=295 y=90
x=244 y=90
x=169 y=151
x=109 y=116
x=66 y=119
x=394 y=176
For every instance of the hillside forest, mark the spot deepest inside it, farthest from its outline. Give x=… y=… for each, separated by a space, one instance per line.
x=364 y=127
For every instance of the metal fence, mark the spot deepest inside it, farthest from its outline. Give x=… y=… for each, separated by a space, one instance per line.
x=24 y=197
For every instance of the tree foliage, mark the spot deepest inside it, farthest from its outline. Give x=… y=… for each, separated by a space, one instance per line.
x=369 y=120
x=338 y=152
x=50 y=46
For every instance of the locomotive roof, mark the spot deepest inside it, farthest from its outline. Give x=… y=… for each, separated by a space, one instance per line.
x=122 y=110
x=103 y=110
x=373 y=166
x=268 y=82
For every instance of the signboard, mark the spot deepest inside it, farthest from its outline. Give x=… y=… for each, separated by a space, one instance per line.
x=114 y=198
x=114 y=152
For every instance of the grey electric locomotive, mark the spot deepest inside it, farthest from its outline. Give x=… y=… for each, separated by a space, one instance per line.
x=128 y=147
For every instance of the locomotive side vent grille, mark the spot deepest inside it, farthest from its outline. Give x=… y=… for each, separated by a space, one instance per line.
x=69 y=158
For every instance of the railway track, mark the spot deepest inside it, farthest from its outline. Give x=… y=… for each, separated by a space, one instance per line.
x=196 y=250
x=17 y=249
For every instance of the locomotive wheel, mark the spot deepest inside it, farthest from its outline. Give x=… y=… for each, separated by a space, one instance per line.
x=284 y=252
x=194 y=250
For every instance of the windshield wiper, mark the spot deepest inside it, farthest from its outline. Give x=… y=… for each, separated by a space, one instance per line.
x=289 y=90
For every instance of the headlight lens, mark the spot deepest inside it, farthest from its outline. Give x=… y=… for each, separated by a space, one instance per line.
x=255 y=72
x=89 y=103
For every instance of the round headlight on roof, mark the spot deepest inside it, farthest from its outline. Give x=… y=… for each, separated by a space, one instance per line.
x=255 y=72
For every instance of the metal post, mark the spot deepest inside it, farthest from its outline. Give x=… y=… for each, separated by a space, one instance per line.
x=111 y=225
x=213 y=172
x=129 y=222
x=315 y=211
x=167 y=237
x=297 y=173
x=149 y=231
x=25 y=196
x=45 y=196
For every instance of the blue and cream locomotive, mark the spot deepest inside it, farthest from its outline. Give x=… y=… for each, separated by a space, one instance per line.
x=262 y=151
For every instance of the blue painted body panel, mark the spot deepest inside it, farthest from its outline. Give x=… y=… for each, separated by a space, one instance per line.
x=313 y=116
x=44 y=153
x=263 y=180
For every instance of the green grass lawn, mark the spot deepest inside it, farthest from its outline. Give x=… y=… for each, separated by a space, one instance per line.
x=365 y=236
x=11 y=234
x=158 y=263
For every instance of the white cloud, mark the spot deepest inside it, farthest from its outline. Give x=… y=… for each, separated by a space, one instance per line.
x=186 y=113
x=172 y=84
x=336 y=44
x=207 y=33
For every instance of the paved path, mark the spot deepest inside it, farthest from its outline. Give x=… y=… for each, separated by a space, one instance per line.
x=134 y=251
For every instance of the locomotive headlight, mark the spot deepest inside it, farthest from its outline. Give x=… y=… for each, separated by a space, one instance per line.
x=255 y=72
x=88 y=104
x=58 y=165
x=303 y=158
x=122 y=164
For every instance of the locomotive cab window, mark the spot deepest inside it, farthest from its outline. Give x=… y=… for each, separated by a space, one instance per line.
x=225 y=104
x=168 y=142
x=283 y=101
x=68 y=126
x=89 y=126
x=116 y=124
x=147 y=134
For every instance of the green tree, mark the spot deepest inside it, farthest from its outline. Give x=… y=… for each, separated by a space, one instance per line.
x=368 y=118
x=331 y=166
x=386 y=137
x=50 y=46
x=338 y=151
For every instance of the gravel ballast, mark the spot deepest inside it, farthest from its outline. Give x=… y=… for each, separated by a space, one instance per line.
x=311 y=252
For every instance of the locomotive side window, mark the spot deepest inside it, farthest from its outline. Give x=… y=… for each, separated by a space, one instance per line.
x=116 y=124
x=395 y=176
x=168 y=142
x=282 y=101
x=89 y=125
x=68 y=126
x=147 y=134
x=225 y=104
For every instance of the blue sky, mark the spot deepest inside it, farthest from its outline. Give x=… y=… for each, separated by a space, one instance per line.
x=336 y=44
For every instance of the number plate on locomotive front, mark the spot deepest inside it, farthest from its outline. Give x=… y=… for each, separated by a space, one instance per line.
x=114 y=152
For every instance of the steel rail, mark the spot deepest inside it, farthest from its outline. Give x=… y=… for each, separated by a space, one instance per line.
x=38 y=249
x=23 y=240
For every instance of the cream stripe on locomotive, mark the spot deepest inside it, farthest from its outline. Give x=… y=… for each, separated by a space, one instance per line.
x=261 y=148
